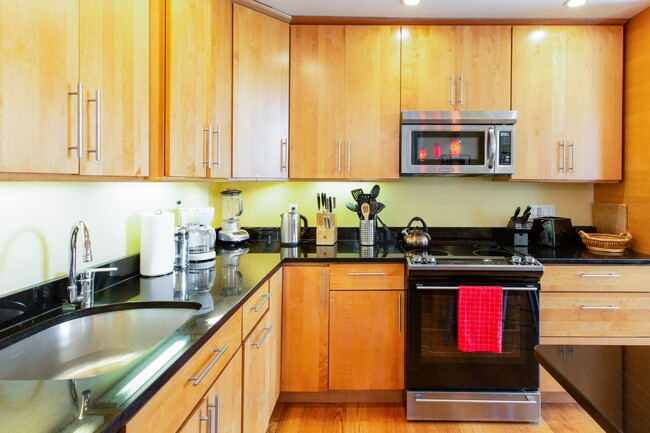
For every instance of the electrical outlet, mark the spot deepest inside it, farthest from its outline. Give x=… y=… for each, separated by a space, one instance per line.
x=542 y=210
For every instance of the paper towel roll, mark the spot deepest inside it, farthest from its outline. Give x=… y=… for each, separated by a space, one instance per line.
x=157 y=244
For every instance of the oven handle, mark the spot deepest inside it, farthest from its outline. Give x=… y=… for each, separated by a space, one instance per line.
x=519 y=289
x=456 y=400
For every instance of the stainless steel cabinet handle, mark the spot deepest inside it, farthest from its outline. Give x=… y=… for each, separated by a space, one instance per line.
x=493 y=147
x=80 y=120
x=199 y=378
x=218 y=132
x=283 y=150
x=366 y=274
x=208 y=419
x=452 y=99
x=208 y=151
x=259 y=306
x=505 y=289
x=599 y=275
x=98 y=125
x=595 y=307
x=571 y=146
x=217 y=413
x=562 y=156
x=267 y=331
x=460 y=101
x=349 y=155
x=322 y=291
x=339 y=155
x=399 y=315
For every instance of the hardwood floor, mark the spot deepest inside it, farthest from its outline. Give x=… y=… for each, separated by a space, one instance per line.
x=390 y=418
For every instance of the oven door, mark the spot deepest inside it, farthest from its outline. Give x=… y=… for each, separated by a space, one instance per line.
x=433 y=361
x=448 y=149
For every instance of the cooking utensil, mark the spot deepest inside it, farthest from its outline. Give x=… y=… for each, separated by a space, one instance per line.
x=380 y=207
x=514 y=217
x=365 y=211
x=354 y=208
x=416 y=237
x=374 y=192
x=373 y=209
x=355 y=194
x=364 y=198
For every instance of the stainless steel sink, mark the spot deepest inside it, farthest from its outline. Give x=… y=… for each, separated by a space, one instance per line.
x=92 y=342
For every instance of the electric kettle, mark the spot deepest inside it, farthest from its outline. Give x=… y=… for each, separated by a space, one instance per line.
x=290 y=232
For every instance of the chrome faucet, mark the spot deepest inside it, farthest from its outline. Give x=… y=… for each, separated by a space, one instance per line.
x=81 y=287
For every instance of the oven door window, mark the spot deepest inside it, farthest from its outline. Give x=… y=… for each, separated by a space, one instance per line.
x=434 y=361
x=466 y=147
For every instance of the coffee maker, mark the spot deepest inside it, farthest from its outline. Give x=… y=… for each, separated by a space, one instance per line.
x=201 y=235
x=232 y=207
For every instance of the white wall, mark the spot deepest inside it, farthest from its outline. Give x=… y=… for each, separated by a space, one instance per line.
x=36 y=219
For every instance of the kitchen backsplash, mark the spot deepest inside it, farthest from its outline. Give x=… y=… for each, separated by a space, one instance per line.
x=36 y=217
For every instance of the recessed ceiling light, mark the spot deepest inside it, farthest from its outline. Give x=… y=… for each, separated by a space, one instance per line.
x=410 y=2
x=574 y=3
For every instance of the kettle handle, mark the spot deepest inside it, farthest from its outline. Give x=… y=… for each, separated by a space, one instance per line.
x=304 y=230
x=424 y=225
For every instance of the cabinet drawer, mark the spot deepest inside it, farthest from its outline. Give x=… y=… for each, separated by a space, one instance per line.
x=367 y=277
x=595 y=315
x=167 y=410
x=597 y=278
x=254 y=308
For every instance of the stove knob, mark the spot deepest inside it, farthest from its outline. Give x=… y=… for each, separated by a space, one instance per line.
x=416 y=259
x=430 y=259
x=530 y=260
x=515 y=260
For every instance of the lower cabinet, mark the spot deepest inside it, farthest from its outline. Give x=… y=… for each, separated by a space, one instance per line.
x=343 y=327
x=220 y=410
x=257 y=377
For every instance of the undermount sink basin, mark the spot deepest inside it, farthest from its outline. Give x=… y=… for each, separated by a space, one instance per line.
x=88 y=345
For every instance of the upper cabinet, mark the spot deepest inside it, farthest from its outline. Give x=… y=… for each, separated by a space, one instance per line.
x=567 y=86
x=199 y=96
x=456 y=67
x=345 y=97
x=260 y=95
x=75 y=87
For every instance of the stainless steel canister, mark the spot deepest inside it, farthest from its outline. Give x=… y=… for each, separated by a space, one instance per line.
x=368 y=232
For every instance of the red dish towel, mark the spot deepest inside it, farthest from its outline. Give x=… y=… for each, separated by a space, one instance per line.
x=480 y=326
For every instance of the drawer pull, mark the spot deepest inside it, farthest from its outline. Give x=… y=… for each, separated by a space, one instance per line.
x=259 y=306
x=607 y=307
x=599 y=275
x=267 y=331
x=366 y=274
x=199 y=378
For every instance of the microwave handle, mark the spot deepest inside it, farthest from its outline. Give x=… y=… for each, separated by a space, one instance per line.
x=493 y=147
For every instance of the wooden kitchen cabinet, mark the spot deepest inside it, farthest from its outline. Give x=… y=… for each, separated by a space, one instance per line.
x=170 y=407
x=456 y=67
x=198 y=89
x=220 y=410
x=275 y=289
x=366 y=340
x=305 y=328
x=567 y=87
x=260 y=95
x=50 y=51
x=344 y=104
x=257 y=406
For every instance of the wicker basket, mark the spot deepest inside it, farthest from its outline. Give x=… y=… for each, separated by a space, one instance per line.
x=605 y=242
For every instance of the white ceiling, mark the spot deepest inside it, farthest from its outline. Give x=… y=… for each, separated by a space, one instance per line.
x=486 y=9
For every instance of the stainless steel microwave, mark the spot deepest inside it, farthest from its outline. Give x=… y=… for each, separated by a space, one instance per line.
x=457 y=143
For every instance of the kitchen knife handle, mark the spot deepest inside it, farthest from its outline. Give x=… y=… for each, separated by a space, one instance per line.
x=199 y=378
x=80 y=121
x=98 y=125
x=562 y=156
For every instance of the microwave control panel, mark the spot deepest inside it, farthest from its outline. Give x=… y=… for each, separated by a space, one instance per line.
x=505 y=147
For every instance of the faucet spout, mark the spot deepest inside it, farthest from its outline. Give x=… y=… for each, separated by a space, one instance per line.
x=74 y=297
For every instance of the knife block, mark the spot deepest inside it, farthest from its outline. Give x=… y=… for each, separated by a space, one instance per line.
x=326 y=232
x=516 y=233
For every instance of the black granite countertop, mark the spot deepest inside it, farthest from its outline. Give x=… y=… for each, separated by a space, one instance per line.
x=210 y=287
x=610 y=382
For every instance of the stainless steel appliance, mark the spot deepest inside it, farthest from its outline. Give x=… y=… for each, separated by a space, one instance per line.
x=445 y=383
x=290 y=232
x=457 y=142
x=232 y=207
